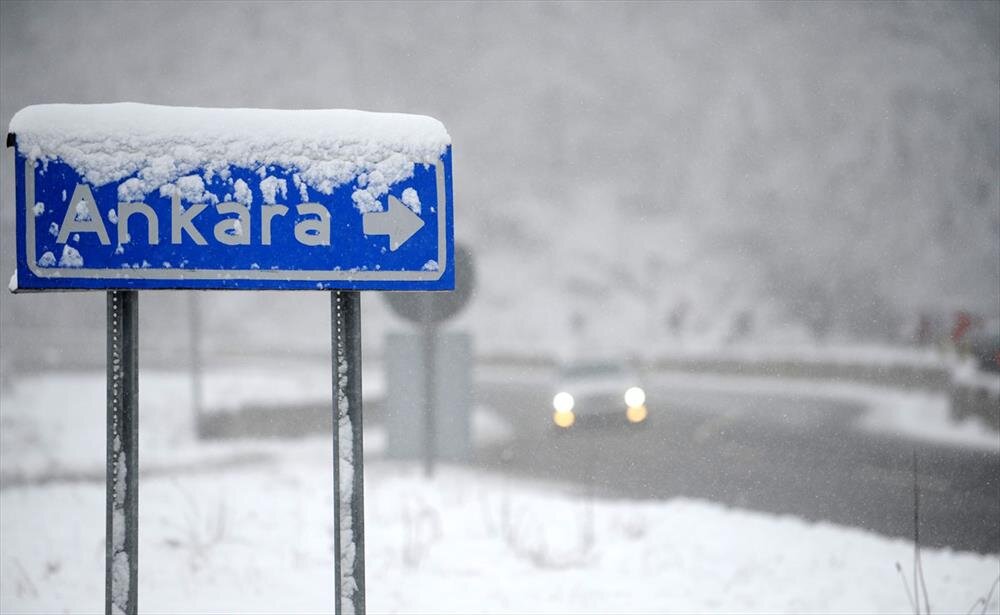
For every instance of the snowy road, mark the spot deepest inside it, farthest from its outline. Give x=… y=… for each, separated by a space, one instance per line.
x=802 y=456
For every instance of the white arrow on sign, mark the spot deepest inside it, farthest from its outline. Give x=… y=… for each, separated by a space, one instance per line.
x=399 y=223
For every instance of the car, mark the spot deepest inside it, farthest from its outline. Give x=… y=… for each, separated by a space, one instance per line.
x=985 y=347
x=598 y=391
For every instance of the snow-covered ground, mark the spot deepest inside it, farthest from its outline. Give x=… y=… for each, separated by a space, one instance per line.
x=258 y=539
x=246 y=526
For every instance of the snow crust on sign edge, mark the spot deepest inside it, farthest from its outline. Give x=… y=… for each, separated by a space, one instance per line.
x=159 y=144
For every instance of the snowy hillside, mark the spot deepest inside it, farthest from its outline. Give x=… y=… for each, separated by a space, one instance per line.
x=638 y=174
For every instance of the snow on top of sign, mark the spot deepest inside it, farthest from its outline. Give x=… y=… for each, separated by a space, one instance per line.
x=156 y=145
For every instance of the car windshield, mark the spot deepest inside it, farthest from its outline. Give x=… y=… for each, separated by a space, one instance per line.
x=594 y=369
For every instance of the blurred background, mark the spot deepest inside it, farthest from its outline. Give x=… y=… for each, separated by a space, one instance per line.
x=791 y=191
x=663 y=175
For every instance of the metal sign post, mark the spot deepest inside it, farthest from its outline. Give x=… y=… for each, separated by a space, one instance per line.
x=348 y=454
x=122 y=548
x=429 y=335
x=194 y=357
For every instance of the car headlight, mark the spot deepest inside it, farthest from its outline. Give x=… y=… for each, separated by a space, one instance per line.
x=636 y=414
x=563 y=402
x=563 y=419
x=635 y=397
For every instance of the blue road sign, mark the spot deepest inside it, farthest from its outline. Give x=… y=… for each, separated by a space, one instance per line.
x=245 y=228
